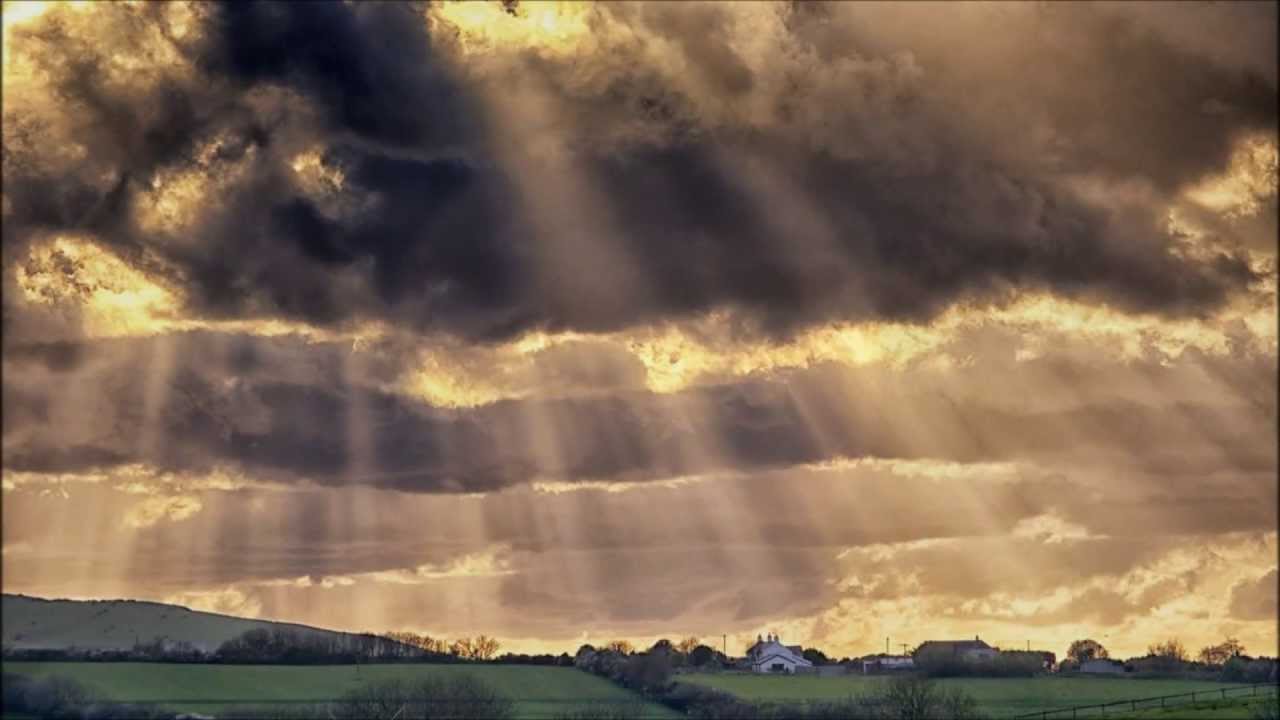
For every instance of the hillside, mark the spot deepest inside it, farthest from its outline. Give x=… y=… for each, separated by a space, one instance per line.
x=30 y=622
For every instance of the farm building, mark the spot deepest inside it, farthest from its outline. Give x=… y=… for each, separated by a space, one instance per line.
x=1102 y=666
x=886 y=663
x=966 y=650
x=769 y=655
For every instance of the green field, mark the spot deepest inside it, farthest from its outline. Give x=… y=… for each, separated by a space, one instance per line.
x=997 y=697
x=1238 y=709
x=539 y=692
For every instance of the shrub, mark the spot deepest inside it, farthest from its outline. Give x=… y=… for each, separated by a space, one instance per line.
x=459 y=698
x=12 y=690
x=918 y=698
x=648 y=673
x=1268 y=709
x=1260 y=671
x=56 y=697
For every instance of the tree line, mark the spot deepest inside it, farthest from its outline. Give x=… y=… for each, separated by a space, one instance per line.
x=288 y=646
x=1227 y=661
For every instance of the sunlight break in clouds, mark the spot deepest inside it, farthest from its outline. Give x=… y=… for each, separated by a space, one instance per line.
x=569 y=322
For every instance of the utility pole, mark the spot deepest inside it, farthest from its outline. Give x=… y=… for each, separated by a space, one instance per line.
x=904 y=649
x=724 y=640
x=886 y=645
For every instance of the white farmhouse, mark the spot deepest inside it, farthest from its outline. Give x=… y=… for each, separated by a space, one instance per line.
x=769 y=655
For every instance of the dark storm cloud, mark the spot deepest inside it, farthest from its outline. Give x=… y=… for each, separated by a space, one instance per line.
x=1124 y=89
x=441 y=240
x=372 y=71
x=299 y=410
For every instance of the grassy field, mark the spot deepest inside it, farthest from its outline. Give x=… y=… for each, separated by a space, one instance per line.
x=997 y=697
x=1237 y=709
x=539 y=692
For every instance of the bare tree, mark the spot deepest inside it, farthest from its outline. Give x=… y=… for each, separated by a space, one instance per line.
x=463 y=648
x=620 y=646
x=484 y=648
x=1172 y=649
x=1219 y=654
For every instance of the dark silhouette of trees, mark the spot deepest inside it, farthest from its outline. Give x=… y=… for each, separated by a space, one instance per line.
x=1218 y=655
x=647 y=672
x=433 y=646
x=1084 y=650
x=620 y=646
x=285 y=646
x=1172 y=649
x=480 y=647
x=815 y=656
x=701 y=656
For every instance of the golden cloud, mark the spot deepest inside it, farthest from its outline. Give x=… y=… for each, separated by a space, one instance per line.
x=153 y=510
x=556 y=28
x=228 y=601
x=484 y=564
x=1248 y=182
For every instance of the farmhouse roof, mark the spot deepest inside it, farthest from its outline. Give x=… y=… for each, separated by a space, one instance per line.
x=955 y=646
x=792 y=658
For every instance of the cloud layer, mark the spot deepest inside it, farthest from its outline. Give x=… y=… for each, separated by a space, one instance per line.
x=845 y=319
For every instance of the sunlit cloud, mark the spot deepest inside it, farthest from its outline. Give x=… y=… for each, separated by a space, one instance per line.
x=1050 y=529
x=1249 y=181
x=152 y=510
x=486 y=564
x=588 y=321
x=555 y=27
x=226 y=601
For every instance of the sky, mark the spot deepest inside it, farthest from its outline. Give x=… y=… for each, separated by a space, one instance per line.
x=564 y=323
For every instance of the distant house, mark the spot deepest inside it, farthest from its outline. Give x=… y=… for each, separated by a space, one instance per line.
x=974 y=650
x=1102 y=666
x=886 y=663
x=769 y=655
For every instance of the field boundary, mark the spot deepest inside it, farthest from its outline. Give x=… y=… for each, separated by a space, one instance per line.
x=1147 y=703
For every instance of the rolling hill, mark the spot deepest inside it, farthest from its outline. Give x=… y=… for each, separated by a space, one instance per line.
x=31 y=622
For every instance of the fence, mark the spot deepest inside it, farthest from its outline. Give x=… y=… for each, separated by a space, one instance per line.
x=1159 y=701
